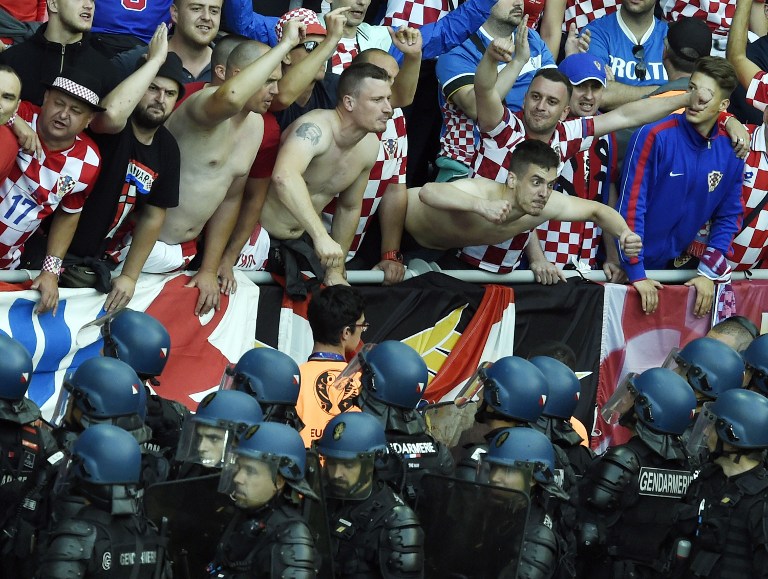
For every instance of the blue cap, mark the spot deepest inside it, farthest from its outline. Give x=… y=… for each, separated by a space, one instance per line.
x=581 y=67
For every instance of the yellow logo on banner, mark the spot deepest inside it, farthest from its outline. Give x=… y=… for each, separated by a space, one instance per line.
x=435 y=344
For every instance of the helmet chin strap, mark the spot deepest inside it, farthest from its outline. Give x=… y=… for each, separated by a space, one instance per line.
x=733 y=455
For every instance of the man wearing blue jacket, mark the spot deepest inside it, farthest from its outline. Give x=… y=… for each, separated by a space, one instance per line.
x=439 y=37
x=681 y=191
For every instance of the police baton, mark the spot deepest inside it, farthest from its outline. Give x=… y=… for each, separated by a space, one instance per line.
x=161 y=550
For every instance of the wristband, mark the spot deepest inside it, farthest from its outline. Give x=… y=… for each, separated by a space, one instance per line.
x=722 y=120
x=393 y=255
x=713 y=265
x=52 y=264
x=9 y=124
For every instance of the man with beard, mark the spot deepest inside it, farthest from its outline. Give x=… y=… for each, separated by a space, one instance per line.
x=140 y=171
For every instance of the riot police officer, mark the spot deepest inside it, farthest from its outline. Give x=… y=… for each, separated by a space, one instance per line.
x=268 y=536
x=374 y=534
x=109 y=537
x=724 y=511
x=26 y=445
x=393 y=377
x=143 y=343
x=101 y=390
x=756 y=365
x=514 y=394
x=627 y=496
x=709 y=366
x=523 y=459
x=220 y=416
x=564 y=391
x=273 y=379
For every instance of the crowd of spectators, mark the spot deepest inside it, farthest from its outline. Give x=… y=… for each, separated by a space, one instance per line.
x=203 y=135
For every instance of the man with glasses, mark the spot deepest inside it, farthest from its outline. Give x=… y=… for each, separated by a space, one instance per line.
x=337 y=318
x=631 y=43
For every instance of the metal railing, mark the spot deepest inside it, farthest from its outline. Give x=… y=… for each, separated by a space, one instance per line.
x=417 y=267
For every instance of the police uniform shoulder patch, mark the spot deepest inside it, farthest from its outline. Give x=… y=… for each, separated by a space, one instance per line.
x=338 y=431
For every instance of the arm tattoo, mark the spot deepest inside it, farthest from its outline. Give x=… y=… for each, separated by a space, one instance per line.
x=309 y=131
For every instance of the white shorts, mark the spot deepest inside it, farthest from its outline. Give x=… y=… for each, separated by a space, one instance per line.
x=163 y=258
x=255 y=252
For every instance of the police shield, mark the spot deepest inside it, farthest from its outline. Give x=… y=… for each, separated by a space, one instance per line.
x=315 y=515
x=196 y=514
x=472 y=530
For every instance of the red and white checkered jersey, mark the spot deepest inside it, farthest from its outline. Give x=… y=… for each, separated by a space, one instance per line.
x=582 y=12
x=586 y=175
x=718 y=14
x=750 y=246
x=458 y=141
x=390 y=167
x=415 y=13
x=496 y=146
x=36 y=187
x=757 y=92
x=345 y=52
x=499 y=258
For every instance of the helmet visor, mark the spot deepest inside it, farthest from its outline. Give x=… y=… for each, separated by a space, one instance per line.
x=348 y=378
x=621 y=400
x=349 y=479
x=249 y=480
x=473 y=386
x=204 y=443
x=701 y=431
x=517 y=477
x=228 y=378
x=94 y=330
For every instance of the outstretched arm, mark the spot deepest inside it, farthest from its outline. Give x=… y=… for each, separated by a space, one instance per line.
x=298 y=76
x=345 y=220
x=408 y=40
x=243 y=20
x=213 y=107
x=737 y=44
x=454 y=28
x=125 y=96
x=490 y=106
x=464 y=195
x=645 y=111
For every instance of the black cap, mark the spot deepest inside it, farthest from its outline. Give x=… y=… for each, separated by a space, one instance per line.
x=80 y=85
x=172 y=69
x=690 y=38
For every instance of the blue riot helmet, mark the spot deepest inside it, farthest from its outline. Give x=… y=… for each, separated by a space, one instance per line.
x=272 y=378
x=514 y=389
x=139 y=340
x=263 y=449
x=105 y=467
x=665 y=402
x=220 y=416
x=563 y=387
x=393 y=373
x=756 y=362
x=15 y=375
x=350 y=444
x=103 y=390
x=520 y=450
x=710 y=367
x=738 y=417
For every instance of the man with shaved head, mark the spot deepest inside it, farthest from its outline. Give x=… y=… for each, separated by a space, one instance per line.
x=219 y=131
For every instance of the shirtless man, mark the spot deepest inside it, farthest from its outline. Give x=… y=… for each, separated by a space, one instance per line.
x=325 y=153
x=218 y=137
x=479 y=211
